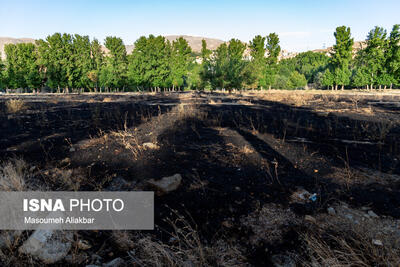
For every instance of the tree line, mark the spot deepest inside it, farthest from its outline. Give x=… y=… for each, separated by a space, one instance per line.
x=74 y=63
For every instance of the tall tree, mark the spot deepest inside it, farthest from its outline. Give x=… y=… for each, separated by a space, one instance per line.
x=360 y=77
x=97 y=59
x=82 y=60
x=56 y=61
x=258 y=62
x=341 y=56
x=180 y=61
x=217 y=67
x=2 y=75
x=22 y=69
x=236 y=65
x=392 y=63
x=205 y=52
x=273 y=50
x=114 y=73
x=374 y=54
x=149 y=64
x=327 y=78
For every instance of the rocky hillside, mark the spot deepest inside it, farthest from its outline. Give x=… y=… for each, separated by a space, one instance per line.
x=195 y=42
x=8 y=40
x=357 y=46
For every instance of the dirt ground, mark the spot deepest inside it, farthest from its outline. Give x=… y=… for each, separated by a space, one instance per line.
x=268 y=179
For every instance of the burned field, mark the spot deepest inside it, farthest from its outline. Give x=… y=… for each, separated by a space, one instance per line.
x=280 y=179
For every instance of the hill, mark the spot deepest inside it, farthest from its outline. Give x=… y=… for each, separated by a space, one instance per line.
x=8 y=40
x=195 y=41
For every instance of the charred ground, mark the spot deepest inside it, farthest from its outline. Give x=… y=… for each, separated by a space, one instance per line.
x=245 y=160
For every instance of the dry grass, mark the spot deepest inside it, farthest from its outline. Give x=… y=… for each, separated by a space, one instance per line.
x=185 y=111
x=269 y=223
x=347 y=249
x=13 y=174
x=185 y=248
x=52 y=101
x=107 y=100
x=129 y=141
x=247 y=150
x=64 y=179
x=15 y=105
x=9 y=243
x=295 y=98
x=349 y=239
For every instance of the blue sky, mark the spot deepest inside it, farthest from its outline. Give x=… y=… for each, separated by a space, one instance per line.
x=301 y=25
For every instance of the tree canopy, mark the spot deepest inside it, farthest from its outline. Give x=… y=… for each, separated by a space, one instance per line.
x=71 y=62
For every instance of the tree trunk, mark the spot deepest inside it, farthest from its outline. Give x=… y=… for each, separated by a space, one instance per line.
x=342 y=87
x=391 y=85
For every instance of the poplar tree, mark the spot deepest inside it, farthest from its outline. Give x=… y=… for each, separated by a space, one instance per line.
x=82 y=60
x=180 y=61
x=392 y=63
x=2 y=76
x=97 y=59
x=235 y=75
x=258 y=62
x=22 y=69
x=341 y=56
x=149 y=64
x=113 y=73
x=273 y=50
x=374 y=55
x=56 y=61
x=205 y=53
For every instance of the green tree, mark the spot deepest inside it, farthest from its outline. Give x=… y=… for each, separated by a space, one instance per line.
x=360 y=77
x=218 y=67
x=97 y=61
x=113 y=75
x=257 y=66
x=56 y=61
x=341 y=56
x=297 y=80
x=392 y=63
x=2 y=75
x=236 y=65
x=194 y=77
x=149 y=65
x=207 y=67
x=22 y=69
x=205 y=53
x=83 y=61
x=374 y=54
x=327 y=78
x=273 y=50
x=310 y=64
x=180 y=61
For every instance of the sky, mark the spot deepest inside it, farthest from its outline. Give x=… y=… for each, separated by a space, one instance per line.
x=301 y=25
